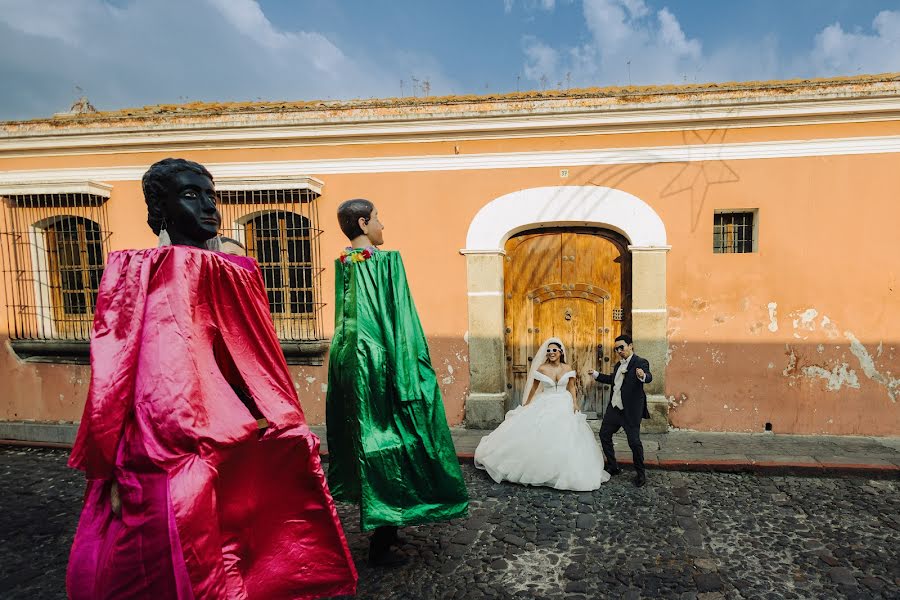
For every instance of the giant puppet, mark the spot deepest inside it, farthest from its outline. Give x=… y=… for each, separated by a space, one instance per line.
x=203 y=479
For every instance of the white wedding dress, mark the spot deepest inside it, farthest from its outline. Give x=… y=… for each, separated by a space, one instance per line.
x=544 y=443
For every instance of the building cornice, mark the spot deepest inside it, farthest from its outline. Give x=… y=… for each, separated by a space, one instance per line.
x=537 y=120
x=274 y=170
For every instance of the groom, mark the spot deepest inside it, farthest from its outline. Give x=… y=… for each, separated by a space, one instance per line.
x=626 y=407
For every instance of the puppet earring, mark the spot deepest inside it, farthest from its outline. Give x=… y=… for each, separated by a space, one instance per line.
x=164 y=239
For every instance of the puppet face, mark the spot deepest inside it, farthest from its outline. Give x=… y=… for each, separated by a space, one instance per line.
x=373 y=228
x=190 y=207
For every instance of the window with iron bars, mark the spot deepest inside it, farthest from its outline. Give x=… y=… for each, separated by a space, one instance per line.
x=54 y=248
x=734 y=232
x=279 y=228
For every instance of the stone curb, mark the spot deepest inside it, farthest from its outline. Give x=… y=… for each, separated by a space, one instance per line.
x=757 y=467
x=770 y=465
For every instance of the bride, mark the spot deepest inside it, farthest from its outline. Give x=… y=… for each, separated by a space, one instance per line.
x=546 y=440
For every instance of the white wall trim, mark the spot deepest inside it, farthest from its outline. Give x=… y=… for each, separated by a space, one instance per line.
x=296 y=182
x=565 y=206
x=660 y=248
x=508 y=160
x=491 y=252
x=28 y=186
x=297 y=129
x=41 y=282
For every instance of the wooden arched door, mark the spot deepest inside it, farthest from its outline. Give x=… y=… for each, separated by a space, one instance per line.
x=571 y=284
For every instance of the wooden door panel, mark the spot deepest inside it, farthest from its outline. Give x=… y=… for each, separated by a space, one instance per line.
x=564 y=284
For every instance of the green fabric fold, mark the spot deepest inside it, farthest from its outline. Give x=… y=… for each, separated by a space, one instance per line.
x=389 y=446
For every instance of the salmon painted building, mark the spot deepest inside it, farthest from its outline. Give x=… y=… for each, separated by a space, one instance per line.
x=745 y=234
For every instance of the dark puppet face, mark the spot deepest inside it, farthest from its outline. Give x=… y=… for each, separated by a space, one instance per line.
x=190 y=205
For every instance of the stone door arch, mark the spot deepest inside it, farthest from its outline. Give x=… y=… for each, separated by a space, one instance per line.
x=555 y=207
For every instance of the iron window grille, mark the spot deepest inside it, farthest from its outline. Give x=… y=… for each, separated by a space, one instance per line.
x=54 y=248
x=733 y=232
x=279 y=228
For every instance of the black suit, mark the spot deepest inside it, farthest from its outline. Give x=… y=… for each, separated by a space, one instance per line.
x=634 y=403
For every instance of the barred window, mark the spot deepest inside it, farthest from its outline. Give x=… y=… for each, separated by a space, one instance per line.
x=734 y=232
x=54 y=250
x=279 y=228
x=75 y=252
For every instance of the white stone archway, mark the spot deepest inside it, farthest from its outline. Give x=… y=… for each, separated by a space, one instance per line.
x=563 y=206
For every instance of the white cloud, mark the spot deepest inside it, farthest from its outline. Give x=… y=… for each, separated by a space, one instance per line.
x=839 y=51
x=247 y=17
x=530 y=5
x=541 y=60
x=631 y=43
x=62 y=20
x=167 y=51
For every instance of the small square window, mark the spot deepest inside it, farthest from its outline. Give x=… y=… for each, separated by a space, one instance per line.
x=734 y=232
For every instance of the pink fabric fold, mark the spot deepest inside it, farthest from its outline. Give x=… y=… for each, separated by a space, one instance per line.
x=210 y=508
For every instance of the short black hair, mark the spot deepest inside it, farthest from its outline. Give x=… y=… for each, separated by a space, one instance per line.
x=155 y=182
x=625 y=338
x=350 y=212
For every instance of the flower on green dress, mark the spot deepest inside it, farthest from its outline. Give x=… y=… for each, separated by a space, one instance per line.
x=357 y=254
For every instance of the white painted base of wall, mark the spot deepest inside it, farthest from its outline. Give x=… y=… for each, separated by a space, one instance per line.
x=31 y=431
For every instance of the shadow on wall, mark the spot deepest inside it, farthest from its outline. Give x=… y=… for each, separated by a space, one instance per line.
x=53 y=393
x=690 y=180
x=836 y=387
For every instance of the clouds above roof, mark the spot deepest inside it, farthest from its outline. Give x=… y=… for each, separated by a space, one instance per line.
x=129 y=53
x=629 y=42
x=169 y=51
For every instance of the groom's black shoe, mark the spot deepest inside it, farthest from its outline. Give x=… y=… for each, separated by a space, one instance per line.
x=640 y=480
x=614 y=472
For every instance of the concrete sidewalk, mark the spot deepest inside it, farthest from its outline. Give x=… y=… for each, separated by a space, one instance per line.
x=741 y=452
x=676 y=450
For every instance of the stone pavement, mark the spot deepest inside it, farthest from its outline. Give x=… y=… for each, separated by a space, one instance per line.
x=685 y=535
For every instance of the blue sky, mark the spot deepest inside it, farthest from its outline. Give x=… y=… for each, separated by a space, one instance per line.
x=122 y=53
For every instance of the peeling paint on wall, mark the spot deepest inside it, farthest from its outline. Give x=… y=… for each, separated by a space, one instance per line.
x=836 y=378
x=841 y=375
x=868 y=366
x=773 y=318
x=792 y=362
x=829 y=327
x=806 y=319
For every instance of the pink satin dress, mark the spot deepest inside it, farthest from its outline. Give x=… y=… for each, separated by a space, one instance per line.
x=212 y=505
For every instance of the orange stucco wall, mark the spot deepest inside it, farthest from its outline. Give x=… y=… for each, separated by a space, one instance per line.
x=803 y=334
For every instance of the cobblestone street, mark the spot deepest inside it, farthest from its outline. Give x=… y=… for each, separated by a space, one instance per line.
x=684 y=535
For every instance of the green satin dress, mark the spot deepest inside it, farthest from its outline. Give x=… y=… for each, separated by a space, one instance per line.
x=389 y=446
